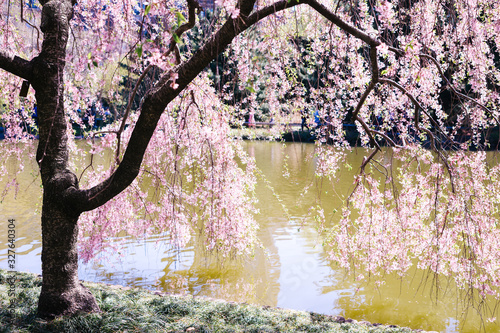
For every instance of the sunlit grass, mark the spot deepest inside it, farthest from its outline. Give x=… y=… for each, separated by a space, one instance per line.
x=137 y=310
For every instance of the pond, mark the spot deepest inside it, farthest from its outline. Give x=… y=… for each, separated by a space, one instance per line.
x=291 y=268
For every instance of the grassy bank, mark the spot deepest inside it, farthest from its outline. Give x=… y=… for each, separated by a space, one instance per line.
x=137 y=310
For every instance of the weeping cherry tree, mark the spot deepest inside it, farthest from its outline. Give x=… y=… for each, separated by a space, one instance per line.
x=421 y=76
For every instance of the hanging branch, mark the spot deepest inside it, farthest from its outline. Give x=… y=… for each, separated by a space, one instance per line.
x=455 y=91
x=401 y=53
x=164 y=91
x=31 y=25
x=335 y=19
x=386 y=138
x=371 y=86
x=192 y=6
x=125 y=116
x=127 y=112
x=155 y=102
x=418 y=107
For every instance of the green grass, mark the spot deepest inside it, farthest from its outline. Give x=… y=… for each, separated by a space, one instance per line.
x=137 y=310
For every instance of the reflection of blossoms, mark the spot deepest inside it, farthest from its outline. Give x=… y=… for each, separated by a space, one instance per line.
x=234 y=290
x=195 y=184
x=444 y=224
x=328 y=160
x=239 y=291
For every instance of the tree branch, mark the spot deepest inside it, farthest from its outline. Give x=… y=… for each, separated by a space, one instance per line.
x=157 y=99
x=31 y=25
x=418 y=108
x=192 y=6
x=127 y=112
x=456 y=92
x=366 y=160
x=400 y=52
x=335 y=19
x=388 y=139
x=16 y=65
x=155 y=102
x=371 y=86
x=417 y=125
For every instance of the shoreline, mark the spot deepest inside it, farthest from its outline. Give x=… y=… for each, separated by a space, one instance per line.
x=138 y=310
x=351 y=135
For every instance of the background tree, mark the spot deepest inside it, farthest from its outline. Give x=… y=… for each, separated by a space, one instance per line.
x=385 y=64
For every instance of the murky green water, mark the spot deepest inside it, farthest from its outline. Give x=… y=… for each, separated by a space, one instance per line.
x=291 y=270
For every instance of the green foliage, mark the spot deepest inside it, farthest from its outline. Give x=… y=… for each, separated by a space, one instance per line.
x=138 y=50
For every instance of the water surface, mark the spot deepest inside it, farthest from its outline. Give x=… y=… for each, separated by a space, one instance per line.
x=291 y=270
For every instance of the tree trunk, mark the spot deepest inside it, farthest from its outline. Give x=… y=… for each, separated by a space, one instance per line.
x=63 y=201
x=61 y=293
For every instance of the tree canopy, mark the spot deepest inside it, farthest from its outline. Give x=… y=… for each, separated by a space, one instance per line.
x=409 y=74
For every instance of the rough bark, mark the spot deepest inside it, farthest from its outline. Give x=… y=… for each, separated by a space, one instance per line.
x=61 y=293
x=15 y=65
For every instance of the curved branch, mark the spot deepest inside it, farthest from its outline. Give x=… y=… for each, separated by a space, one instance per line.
x=16 y=65
x=400 y=52
x=363 y=98
x=426 y=130
x=155 y=102
x=157 y=99
x=31 y=25
x=371 y=86
x=192 y=6
x=388 y=139
x=368 y=131
x=335 y=19
x=417 y=104
x=127 y=112
x=366 y=160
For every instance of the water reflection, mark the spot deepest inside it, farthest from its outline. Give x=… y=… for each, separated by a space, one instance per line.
x=290 y=270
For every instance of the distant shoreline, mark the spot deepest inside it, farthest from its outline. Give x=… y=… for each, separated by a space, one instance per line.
x=352 y=136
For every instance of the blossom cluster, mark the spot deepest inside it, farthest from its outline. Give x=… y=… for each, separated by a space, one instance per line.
x=195 y=181
x=424 y=214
